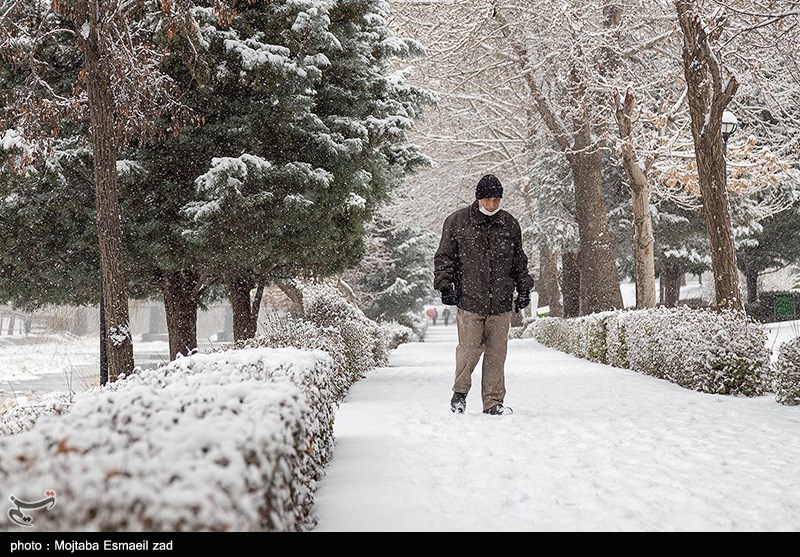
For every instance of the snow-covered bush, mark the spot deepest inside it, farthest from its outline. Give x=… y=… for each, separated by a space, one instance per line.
x=616 y=343
x=596 y=337
x=569 y=336
x=396 y=334
x=291 y=331
x=230 y=441
x=786 y=373
x=704 y=350
x=19 y=418
x=364 y=344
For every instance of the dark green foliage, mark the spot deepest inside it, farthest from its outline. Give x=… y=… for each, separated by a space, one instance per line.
x=48 y=235
x=774 y=245
x=680 y=239
x=395 y=279
x=765 y=309
x=302 y=137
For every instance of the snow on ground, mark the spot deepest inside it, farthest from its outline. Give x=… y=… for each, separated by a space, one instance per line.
x=778 y=333
x=589 y=448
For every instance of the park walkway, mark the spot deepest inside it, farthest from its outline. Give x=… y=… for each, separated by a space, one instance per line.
x=589 y=448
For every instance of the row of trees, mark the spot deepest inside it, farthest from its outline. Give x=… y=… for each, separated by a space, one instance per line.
x=219 y=147
x=606 y=117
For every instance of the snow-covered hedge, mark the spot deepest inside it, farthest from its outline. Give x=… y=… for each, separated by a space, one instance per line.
x=365 y=345
x=417 y=323
x=231 y=440
x=396 y=334
x=290 y=331
x=699 y=349
x=17 y=419
x=225 y=441
x=786 y=373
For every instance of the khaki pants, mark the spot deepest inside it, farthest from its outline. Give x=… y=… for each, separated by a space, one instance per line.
x=487 y=335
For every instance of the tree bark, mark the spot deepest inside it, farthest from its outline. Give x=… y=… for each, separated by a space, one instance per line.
x=549 y=289
x=599 y=283
x=571 y=284
x=670 y=285
x=245 y=309
x=119 y=345
x=639 y=188
x=293 y=293
x=708 y=97
x=180 y=303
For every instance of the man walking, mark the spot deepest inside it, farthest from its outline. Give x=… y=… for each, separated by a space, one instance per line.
x=479 y=264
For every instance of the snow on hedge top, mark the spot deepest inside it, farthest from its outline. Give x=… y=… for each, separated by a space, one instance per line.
x=207 y=442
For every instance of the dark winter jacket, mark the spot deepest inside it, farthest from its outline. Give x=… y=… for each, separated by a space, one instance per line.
x=482 y=257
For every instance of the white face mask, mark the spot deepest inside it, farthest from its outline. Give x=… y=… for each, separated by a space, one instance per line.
x=489 y=213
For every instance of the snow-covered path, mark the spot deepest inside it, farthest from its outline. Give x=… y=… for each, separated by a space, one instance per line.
x=589 y=448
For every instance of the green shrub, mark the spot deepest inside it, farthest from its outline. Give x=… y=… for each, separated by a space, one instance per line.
x=786 y=377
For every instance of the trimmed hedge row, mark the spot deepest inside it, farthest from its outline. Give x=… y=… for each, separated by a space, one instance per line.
x=234 y=440
x=699 y=349
x=786 y=379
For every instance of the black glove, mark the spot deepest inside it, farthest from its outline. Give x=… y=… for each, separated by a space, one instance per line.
x=449 y=296
x=523 y=300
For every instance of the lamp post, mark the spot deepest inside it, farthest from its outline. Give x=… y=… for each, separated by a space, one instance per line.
x=729 y=125
x=103 y=353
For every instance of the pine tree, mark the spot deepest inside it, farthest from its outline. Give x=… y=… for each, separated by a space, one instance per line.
x=328 y=158
x=115 y=93
x=394 y=277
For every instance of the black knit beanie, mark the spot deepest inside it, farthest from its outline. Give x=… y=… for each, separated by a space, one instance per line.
x=489 y=186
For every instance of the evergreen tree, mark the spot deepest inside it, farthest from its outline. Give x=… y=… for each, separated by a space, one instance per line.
x=394 y=277
x=303 y=135
x=49 y=243
x=324 y=148
x=681 y=247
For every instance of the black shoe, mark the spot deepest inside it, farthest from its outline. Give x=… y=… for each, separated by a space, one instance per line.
x=498 y=410
x=458 y=403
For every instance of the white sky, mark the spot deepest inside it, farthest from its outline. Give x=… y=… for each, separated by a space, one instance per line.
x=588 y=448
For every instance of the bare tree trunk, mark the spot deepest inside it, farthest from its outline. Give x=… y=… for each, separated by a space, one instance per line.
x=180 y=304
x=347 y=291
x=119 y=345
x=571 y=284
x=599 y=285
x=639 y=188
x=293 y=293
x=670 y=285
x=549 y=289
x=708 y=97
x=244 y=322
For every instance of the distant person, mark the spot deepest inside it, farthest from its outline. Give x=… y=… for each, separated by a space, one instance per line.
x=479 y=263
x=446 y=316
x=433 y=314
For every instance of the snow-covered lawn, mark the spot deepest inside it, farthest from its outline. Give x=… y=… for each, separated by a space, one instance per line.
x=589 y=448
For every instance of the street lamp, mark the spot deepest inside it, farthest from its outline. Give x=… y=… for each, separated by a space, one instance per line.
x=103 y=353
x=729 y=125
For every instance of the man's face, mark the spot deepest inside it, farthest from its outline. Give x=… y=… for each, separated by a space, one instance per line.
x=490 y=203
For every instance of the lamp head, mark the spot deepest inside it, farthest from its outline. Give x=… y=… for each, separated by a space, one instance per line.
x=729 y=124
